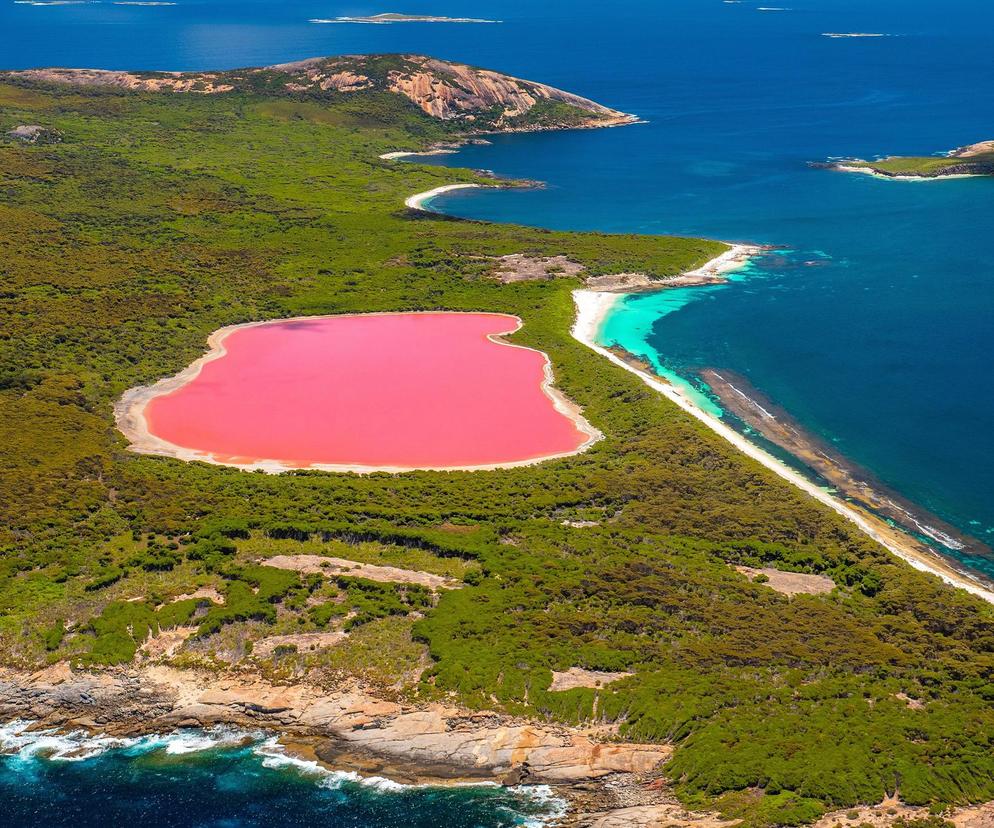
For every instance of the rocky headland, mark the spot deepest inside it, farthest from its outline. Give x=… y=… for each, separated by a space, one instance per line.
x=971 y=160
x=473 y=99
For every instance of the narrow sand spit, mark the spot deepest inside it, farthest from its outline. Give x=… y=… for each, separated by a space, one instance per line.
x=129 y=412
x=592 y=308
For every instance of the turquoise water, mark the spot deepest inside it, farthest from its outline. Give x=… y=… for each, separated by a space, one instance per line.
x=873 y=324
x=225 y=779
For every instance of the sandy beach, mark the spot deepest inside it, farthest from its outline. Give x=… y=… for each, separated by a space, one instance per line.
x=419 y=200
x=399 y=154
x=593 y=307
x=129 y=413
x=735 y=258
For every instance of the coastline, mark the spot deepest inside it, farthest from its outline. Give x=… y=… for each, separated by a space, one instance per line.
x=856 y=484
x=593 y=307
x=345 y=729
x=418 y=201
x=883 y=176
x=129 y=411
x=712 y=272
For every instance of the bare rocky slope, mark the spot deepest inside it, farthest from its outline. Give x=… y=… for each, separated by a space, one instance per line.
x=478 y=99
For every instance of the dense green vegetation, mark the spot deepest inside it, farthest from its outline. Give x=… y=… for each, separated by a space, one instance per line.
x=931 y=165
x=160 y=218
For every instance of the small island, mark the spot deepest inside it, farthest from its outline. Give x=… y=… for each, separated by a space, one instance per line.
x=391 y=17
x=974 y=159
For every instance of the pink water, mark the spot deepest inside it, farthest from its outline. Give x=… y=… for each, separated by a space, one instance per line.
x=395 y=390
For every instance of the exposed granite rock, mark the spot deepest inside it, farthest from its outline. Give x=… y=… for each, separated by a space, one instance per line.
x=207 y=83
x=519 y=267
x=891 y=810
x=480 y=98
x=34 y=134
x=160 y=697
x=655 y=816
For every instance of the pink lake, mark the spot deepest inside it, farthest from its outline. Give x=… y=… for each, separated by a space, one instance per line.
x=392 y=391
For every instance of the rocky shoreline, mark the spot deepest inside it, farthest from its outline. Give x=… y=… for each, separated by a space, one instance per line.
x=349 y=728
x=963 y=162
x=606 y=784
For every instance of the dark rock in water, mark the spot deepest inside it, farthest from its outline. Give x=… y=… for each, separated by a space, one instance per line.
x=34 y=134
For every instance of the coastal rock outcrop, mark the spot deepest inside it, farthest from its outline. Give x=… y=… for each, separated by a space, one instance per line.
x=34 y=134
x=464 y=742
x=480 y=98
x=973 y=159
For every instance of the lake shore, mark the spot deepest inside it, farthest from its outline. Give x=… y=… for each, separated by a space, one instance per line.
x=593 y=307
x=131 y=419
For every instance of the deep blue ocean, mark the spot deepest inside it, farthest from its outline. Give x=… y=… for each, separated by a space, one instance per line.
x=873 y=327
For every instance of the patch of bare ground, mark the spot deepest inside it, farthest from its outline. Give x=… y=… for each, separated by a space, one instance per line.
x=578 y=677
x=890 y=810
x=914 y=704
x=519 y=267
x=581 y=524
x=666 y=815
x=300 y=643
x=165 y=644
x=981 y=148
x=205 y=593
x=332 y=567
x=789 y=583
x=622 y=282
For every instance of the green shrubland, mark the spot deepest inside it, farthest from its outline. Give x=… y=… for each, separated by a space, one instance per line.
x=160 y=218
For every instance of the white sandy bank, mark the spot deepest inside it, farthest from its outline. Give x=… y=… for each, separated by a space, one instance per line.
x=592 y=308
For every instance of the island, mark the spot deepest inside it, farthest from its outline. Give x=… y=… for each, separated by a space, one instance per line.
x=972 y=160
x=660 y=626
x=392 y=17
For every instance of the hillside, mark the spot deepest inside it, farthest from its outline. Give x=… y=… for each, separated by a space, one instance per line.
x=452 y=92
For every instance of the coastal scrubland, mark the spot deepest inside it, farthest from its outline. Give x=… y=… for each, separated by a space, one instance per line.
x=158 y=218
x=975 y=159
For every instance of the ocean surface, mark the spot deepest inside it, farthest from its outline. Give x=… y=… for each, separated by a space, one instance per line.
x=872 y=324
x=224 y=778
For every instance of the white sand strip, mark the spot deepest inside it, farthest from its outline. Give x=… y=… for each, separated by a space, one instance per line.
x=396 y=156
x=419 y=200
x=735 y=258
x=592 y=307
x=871 y=172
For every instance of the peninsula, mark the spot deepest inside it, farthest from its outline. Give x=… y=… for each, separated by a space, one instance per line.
x=971 y=160
x=661 y=626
